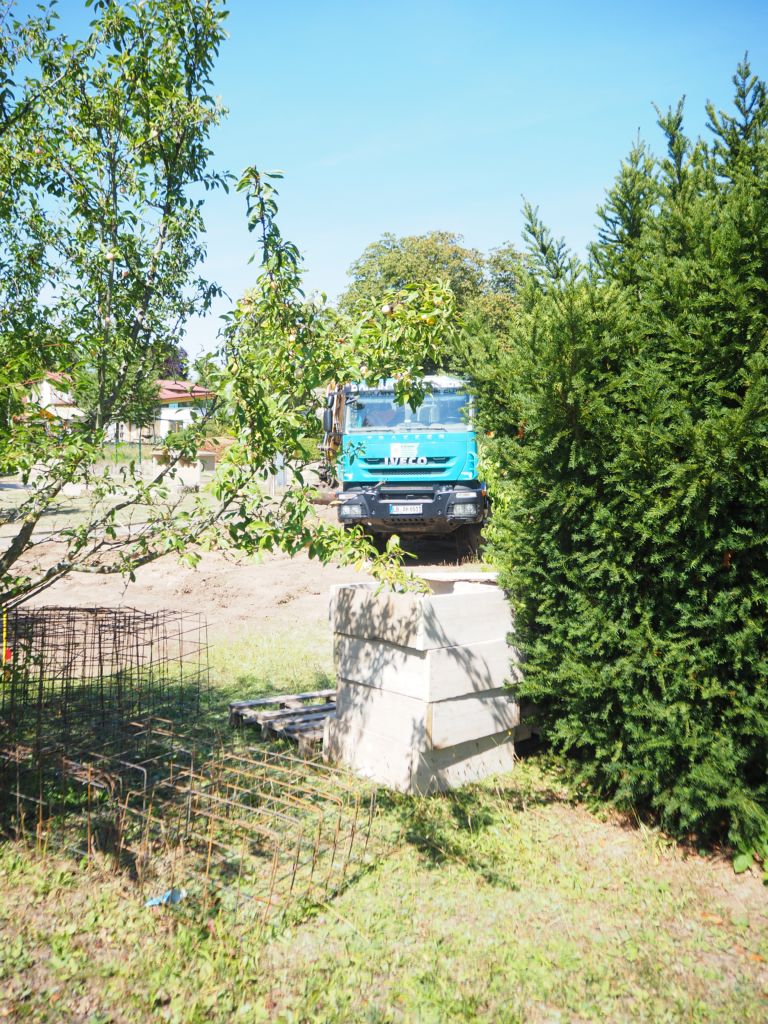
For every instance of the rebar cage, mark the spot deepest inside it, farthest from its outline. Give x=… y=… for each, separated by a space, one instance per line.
x=100 y=757
x=242 y=836
x=76 y=675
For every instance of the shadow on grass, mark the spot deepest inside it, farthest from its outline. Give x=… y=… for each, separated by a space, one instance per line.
x=478 y=825
x=12 y=515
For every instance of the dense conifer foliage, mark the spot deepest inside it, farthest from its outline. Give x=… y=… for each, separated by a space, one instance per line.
x=627 y=422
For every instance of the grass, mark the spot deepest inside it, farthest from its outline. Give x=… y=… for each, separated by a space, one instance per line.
x=71 y=511
x=254 y=665
x=507 y=901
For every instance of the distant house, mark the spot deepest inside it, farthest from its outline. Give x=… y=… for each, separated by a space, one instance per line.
x=52 y=397
x=177 y=401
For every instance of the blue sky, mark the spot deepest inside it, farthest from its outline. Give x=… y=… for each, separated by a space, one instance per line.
x=413 y=116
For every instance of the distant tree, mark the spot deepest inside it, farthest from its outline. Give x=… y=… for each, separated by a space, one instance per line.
x=495 y=306
x=393 y=263
x=483 y=286
x=206 y=371
x=175 y=366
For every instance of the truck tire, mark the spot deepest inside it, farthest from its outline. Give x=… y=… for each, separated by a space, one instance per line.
x=468 y=540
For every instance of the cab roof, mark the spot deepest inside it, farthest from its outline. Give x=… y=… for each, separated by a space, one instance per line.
x=438 y=382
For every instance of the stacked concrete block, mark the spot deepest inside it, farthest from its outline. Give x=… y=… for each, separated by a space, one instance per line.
x=423 y=683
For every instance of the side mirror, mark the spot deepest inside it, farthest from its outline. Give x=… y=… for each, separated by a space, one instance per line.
x=328 y=420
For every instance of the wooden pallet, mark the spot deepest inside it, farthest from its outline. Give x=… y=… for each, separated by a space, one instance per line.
x=287 y=716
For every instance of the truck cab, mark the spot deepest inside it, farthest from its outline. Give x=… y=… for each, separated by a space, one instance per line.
x=408 y=472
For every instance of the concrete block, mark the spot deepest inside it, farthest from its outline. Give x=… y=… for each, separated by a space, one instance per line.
x=439 y=770
x=433 y=675
x=422 y=725
x=399 y=766
x=444 y=582
x=471 y=718
x=465 y=611
x=379 y=758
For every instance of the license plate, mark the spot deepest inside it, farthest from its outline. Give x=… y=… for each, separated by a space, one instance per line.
x=405 y=510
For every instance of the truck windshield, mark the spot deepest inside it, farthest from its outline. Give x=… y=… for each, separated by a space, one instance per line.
x=446 y=410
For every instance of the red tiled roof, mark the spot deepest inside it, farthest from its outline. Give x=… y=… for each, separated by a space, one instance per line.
x=181 y=391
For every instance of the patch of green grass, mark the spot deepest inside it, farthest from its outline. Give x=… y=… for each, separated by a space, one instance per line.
x=79 y=510
x=506 y=902
x=254 y=665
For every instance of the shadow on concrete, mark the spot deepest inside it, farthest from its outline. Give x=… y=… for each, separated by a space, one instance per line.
x=415 y=736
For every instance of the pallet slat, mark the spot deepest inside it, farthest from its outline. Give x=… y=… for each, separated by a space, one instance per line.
x=236 y=705
x=239 y=709
x=293 y=719
x=297 y=719
x=262 y=717
x=295 y=724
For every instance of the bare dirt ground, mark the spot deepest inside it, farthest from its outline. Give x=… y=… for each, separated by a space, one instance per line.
x=236 y=596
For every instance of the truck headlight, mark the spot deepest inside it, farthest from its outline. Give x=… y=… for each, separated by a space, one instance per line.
x=351 y=511
x=465 y=509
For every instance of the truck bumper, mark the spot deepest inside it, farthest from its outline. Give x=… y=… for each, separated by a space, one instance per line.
x=439 y=512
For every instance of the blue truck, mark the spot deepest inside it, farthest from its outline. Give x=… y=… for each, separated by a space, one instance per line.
x=408 y=472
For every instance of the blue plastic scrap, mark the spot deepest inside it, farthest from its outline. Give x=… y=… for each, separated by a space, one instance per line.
x=169 y=898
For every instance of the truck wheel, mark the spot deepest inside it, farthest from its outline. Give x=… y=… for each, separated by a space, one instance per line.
x=468 y=540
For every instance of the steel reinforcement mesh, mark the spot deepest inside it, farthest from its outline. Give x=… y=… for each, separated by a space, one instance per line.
x=245 y=836
x=76 y=675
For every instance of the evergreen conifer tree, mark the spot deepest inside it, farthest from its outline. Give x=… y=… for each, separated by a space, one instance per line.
x=624 y=216
x=629 y=414
x=739 y=140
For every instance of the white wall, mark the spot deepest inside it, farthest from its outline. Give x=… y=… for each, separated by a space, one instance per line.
x=166 y=418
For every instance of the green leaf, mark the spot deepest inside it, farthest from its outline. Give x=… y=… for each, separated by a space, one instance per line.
x=742 y=862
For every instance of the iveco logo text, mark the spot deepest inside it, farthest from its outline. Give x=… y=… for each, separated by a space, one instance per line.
x=401 y=461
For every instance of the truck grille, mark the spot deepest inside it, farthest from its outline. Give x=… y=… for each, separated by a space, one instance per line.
x=432 y=460
x=392 y=472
